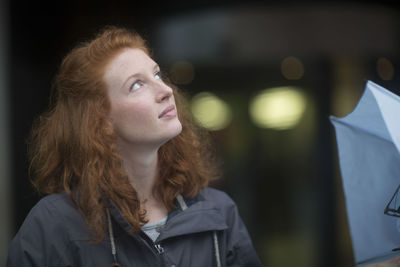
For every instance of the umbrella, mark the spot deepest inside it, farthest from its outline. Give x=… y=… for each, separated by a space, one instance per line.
x=368 y=142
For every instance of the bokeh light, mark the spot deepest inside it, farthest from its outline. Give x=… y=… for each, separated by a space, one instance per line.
x=278 y=108
x=210 y=112
x=182 y=72
x=292 y=68
x=385 y=68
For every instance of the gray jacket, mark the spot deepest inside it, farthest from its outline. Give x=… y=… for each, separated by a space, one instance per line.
x=206 y=231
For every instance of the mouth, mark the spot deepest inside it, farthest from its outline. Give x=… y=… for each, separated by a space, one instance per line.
x=168 y=112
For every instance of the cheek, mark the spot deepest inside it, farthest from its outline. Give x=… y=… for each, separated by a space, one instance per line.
x=131 y=114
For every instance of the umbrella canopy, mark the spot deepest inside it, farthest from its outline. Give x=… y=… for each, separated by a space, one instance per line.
x=368 y=142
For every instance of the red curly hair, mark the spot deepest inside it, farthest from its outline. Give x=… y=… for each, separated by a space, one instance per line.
x=72 y=147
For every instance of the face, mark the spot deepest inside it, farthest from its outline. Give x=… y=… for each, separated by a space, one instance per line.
x=143 y=110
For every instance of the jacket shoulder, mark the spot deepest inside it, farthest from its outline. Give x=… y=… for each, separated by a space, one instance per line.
x=59 y=210
x=220 y=199
x=55 y=204
x=53 y=209
x=44 y=236
x=48 y=210
x=53 y=214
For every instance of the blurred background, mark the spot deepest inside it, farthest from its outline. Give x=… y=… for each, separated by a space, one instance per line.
x=262 y=77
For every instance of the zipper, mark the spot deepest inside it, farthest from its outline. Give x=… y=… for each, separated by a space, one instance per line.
x=160 y=251
x=159 y=248
x=156 y=248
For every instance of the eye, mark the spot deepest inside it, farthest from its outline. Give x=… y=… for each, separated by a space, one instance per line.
x=136 y=85
x=157 y=75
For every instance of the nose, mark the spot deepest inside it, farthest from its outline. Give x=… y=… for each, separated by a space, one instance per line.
x=164 y=92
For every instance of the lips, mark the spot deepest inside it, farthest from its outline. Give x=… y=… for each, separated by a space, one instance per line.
x=168 y=112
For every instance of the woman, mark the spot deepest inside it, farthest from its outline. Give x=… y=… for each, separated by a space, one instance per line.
x=124 y=170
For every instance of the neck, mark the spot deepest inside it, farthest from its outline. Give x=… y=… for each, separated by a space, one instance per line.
x=140 y=164
x=141 y=167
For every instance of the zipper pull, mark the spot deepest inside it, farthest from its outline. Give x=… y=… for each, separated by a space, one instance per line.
x=159 y=248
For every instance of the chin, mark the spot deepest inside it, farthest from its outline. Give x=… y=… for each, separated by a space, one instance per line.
x=177 y=130
x=173 y=131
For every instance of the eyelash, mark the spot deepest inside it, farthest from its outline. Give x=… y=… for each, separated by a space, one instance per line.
x=158 y=73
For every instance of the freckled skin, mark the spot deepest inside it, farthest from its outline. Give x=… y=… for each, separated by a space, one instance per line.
x=138 y=96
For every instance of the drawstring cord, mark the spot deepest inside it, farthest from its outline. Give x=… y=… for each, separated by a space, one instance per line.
x=183 y=205
x=181 y=202
x=216 y=247
x=111 y=234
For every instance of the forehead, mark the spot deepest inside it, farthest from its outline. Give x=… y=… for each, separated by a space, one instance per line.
x=128 y=62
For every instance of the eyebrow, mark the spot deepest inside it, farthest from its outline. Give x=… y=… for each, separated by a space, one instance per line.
x=156 y=66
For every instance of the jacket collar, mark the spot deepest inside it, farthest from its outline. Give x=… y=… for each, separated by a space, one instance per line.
x=199 y=215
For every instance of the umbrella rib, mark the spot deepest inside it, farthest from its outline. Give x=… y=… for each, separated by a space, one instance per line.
x=360 y=129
